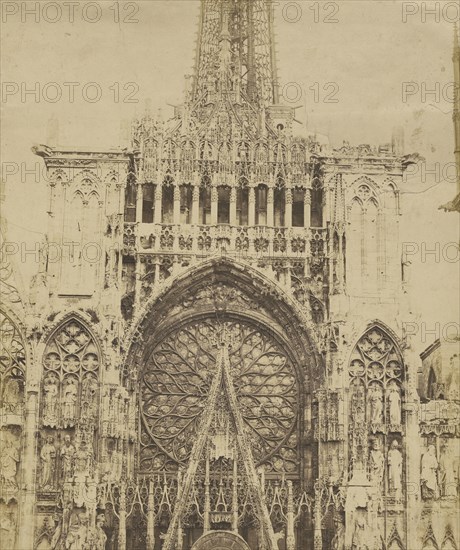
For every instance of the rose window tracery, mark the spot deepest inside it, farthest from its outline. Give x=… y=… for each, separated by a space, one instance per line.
x=12 y=367
x=177 y=378
x=70 y=382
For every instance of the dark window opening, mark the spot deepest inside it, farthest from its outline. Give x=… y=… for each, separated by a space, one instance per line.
x=130 y=203
x=186 y=198
x=205 y=205
x=261 y=205
x=148 y=203
x=167 y=204
x=432 y=385
x=223 y=204
x=242 y=205
x=279 y=198
x=316 y=205
x=298 y=212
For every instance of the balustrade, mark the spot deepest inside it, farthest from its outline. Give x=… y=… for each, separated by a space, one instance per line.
x=209 y=239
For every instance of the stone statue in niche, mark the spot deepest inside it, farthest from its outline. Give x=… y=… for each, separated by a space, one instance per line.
x=394 y=407
x=395 y=463
x=360 y=540
x=99 y=538
x=69 y=408
x=375 y=405
x=428 y=475
x=50 y=407
x=12 y=396
x=67 y=455
x=7 y=530
x=338 y=542
x=377 y=463
x=357 y=406
x=9 y=460
x=48 y=464
x=83 y=458
x=89 y=394
x=77 y=537
x=447 y=479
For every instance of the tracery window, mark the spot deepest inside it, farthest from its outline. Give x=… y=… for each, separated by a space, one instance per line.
x=178 y=375
x=70 y=382
x=12 y=367
x=376 y=376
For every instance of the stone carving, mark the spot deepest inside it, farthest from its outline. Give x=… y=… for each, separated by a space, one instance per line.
x=48 y=464
x=376 y=404
x=377 y=463
x=375 y=372
x=395 y=463
x=71 y=364
x=448 y=480
x=77 y=537
x=7 y=529
x=67 y=455
x=9 y=460
x=69 y=407
x=177 y=376
x=428 y=475
x=361 y=536
x=51 y=402
x=12 y=365
x=394 y=407
x=99 y=537
x=338 y=541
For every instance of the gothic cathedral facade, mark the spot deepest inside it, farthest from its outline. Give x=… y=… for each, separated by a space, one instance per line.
x=213 y=354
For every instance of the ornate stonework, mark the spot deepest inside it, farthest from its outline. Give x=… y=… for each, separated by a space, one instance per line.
x=229 y=370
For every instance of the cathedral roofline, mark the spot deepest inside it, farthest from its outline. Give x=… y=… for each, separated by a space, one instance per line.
x=46 y=151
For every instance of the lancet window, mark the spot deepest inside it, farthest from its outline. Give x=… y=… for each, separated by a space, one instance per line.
x=205 y=205
x=242 y=203
x=148 y=202
x=223 y=204
x=186 y=199
x=279 y=197
x=316 y=203
x=261 y=205
x=130 y=201
x=167 y=201
x=298 y=210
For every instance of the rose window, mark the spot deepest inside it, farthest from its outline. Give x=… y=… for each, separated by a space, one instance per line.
x=178 y=376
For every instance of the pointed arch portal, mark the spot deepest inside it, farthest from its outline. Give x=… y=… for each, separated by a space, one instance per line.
x=216 y=421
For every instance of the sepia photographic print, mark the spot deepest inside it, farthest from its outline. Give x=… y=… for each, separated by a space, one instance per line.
x=229 y=275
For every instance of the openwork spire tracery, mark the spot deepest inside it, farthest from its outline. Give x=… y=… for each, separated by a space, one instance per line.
x=236 y=50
